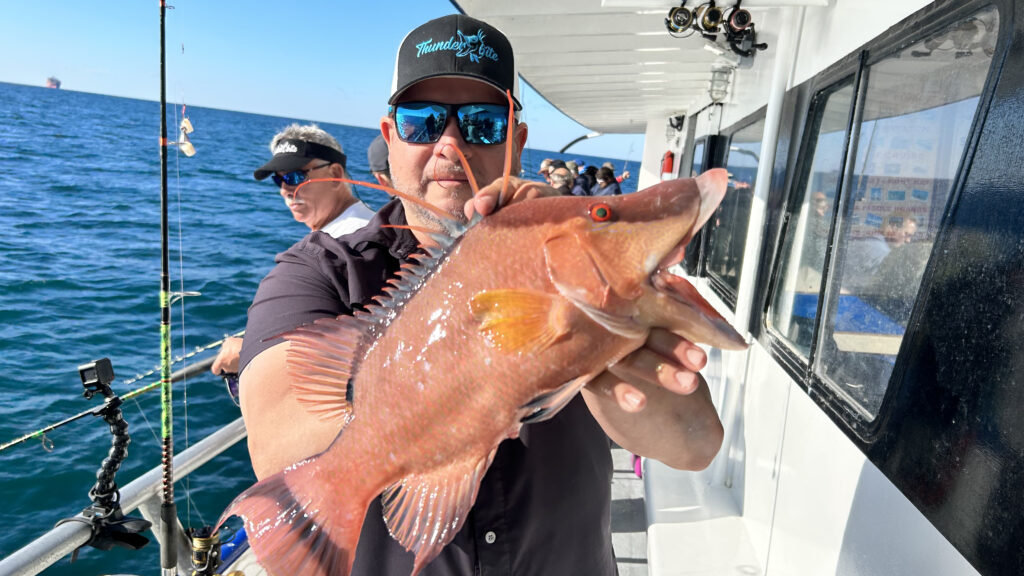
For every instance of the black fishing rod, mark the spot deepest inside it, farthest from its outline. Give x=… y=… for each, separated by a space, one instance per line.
x=188 y=371
x=168 y=509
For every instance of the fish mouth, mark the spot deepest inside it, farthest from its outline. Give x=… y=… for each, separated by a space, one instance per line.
x=674 y=256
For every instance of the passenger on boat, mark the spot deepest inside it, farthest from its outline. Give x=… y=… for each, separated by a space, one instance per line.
x=606 y=184
x=545 y=167
x=561 y=180
x=620 y=177
x=301 y=152
x=585 y=181
x=544 y=505
x=377 y=159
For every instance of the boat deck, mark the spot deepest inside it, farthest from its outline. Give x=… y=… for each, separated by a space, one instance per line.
x=629 y=522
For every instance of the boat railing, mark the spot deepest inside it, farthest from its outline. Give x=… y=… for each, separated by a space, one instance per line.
x=141 y=494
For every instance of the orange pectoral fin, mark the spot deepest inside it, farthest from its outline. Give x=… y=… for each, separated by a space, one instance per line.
x=520 y=320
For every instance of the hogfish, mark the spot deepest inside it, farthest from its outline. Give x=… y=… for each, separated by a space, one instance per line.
x=497 y=327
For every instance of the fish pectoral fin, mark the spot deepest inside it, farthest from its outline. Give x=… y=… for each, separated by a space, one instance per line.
x=521 y=320
x=546 y=405
x=319 y=360
x=424 y=511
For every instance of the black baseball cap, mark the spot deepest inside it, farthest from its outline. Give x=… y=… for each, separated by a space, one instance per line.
x=292 y=154
x=377 y=154
x=456 y=46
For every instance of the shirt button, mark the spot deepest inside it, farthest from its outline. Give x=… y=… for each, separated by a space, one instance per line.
x=490 y=537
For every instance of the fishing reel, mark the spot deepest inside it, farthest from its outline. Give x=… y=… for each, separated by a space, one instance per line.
x=206 y=552
x=736 y=23
x=679 y=20
x=740 y=32
x=706 y=18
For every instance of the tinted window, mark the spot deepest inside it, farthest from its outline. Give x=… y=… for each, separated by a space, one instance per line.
x=794 y=306
x=691 y=259
x=727 y=230
x=917 y=111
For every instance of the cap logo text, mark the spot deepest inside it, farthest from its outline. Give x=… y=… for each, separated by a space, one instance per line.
x=472 y=46
x=285 y=148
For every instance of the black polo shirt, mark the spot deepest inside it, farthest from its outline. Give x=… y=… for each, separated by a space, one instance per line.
x=544 y=504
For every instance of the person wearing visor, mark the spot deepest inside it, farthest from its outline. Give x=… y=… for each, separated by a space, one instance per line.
x=543 y=506
x=308 y=152
x=303 y=152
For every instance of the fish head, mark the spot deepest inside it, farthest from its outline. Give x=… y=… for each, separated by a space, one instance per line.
x=611 y=254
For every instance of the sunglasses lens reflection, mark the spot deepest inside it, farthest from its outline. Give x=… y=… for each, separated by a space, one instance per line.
x=424 y=122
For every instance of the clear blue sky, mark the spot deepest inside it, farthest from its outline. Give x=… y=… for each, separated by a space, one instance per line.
x=317 y=60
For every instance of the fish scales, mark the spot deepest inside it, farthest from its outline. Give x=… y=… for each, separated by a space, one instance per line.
x=512 y=318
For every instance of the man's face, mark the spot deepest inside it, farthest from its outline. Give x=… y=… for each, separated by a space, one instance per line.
x=433 y=171
x=317 y=203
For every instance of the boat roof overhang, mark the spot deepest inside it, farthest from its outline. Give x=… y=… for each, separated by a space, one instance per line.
x=611 y=65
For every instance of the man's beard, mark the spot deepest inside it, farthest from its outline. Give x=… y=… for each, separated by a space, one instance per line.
x=426 y=216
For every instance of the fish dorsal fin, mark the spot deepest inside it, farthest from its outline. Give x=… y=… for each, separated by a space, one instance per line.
x=423 y=512
x=320 y=361
x=521 y=320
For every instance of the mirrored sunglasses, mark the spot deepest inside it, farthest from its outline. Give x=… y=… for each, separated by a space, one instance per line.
x=424 y=122
x=295 y=177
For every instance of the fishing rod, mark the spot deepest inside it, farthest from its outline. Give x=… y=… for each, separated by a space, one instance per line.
x=188 y=371
x=168 y=509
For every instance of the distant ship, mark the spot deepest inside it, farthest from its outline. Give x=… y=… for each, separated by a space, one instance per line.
x=53 y=82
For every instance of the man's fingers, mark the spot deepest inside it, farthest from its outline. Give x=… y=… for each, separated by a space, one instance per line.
x=487 y=200
x=647 y=366
x=684 y=352
x=628 y=397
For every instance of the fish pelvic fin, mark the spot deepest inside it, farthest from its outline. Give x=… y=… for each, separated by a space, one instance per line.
x=423 y=512
x=300 y=525
x=521 y=321
x=545 y=406
x=320 y=361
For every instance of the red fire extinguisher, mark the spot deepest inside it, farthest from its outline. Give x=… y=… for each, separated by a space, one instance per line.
x=668 y=165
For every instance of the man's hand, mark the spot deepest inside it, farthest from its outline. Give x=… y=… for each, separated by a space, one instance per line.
x=226 y=361
x=653 y=403
x=487 y=201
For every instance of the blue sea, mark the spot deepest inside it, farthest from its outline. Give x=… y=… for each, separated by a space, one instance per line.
x=80 y=277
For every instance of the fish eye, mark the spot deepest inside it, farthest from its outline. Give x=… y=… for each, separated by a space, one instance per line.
x=600 y=212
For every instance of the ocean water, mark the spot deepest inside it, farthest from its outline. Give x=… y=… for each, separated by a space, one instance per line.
x=79 y=280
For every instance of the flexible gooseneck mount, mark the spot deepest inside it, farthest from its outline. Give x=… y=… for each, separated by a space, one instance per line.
x=110 y=527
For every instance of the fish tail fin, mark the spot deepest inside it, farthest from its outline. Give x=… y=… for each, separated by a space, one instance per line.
x=301 y=524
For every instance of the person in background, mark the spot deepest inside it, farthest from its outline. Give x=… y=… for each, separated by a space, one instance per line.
x=377 y=159
x=545 y=167
x=620 y=177
x=561 y=180
x=574 y=169
x=606 y=183
x=302 y=152
x=585 y=182
x=543 y=506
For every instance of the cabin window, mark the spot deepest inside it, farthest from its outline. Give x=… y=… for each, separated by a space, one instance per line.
x=691 y=259
x=727 y=232
x=795 y=304
x=918 y=108
x=903 y=155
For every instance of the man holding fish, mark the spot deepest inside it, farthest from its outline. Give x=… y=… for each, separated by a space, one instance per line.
x=424 y=401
